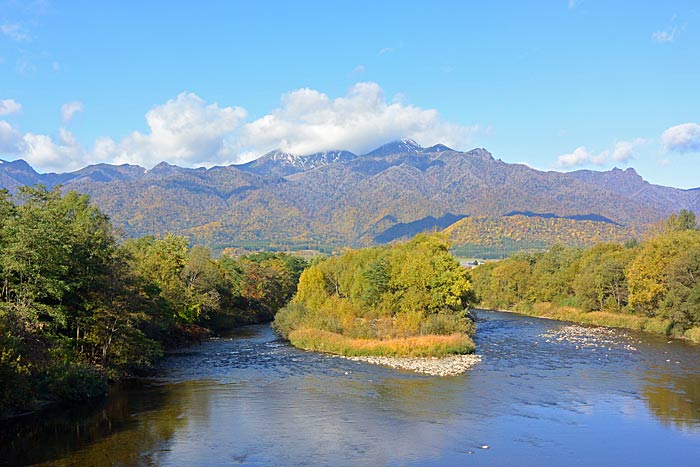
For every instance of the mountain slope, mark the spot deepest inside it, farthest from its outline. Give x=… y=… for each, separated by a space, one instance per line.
x=338 y=197
x=632 y=185
x=282 y=164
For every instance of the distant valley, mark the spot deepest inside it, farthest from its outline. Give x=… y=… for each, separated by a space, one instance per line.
x=338 y=198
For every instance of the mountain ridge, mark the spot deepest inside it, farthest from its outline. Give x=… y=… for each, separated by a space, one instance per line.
x=338 y=197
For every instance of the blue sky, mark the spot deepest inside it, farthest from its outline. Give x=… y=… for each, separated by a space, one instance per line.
x=559 y=85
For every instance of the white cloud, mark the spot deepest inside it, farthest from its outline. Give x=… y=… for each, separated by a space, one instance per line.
x=43 y=153
x=11 y=142
x=69 y=109
x=309 y=121
x=104 y=149
x=385 y=50
x=14 y=32
x=579 y=156
x=9 y=106
x=663 y=37
x=622 y=151
x=682 y=138
x=184 y=131
x=190 y=132
x=572 y=4
x=358 y=70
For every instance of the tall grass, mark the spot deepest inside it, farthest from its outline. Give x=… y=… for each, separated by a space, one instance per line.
x=418 y=346
x=599 y=318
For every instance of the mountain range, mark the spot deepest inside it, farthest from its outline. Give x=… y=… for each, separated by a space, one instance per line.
x=342 y=198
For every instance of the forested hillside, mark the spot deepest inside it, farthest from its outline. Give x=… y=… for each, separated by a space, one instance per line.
x=504 y=235
x=338 y=198
x=78 y=308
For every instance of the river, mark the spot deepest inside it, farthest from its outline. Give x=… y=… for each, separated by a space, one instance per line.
x=546 y=393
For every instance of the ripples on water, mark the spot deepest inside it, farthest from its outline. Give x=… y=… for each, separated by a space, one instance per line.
x=546 y=393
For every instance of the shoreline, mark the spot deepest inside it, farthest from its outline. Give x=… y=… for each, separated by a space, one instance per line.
x=654 y=326
x=432 y=366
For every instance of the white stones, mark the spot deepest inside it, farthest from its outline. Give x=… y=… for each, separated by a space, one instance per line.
x=445 y=366
x=590 y=337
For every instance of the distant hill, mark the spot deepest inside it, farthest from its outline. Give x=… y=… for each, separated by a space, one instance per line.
x=340 y=198
x=525 y=232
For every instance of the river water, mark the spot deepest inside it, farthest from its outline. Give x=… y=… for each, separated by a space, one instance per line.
x=546 y=393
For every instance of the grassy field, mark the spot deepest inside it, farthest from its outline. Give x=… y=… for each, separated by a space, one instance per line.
x=417 y=346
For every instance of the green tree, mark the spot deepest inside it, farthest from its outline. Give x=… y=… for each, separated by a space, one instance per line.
x=684 y=220
x=553 y=274
x=601 y=283
x=405 y=289
x=659 y=268
x=203 y=281
x=160 y=262
x=509 y=282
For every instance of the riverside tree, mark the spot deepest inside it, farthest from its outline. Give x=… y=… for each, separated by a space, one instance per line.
x=78 y=308
x=658 y=278
x=406 y=289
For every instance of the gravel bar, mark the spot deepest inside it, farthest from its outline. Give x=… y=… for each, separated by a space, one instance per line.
x=445 y=366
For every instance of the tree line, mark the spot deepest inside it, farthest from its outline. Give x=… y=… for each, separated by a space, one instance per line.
x=657 y=278
x=78 y=307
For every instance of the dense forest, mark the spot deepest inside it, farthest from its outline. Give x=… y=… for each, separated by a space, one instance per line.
x=653 y=285
x=499 y=237
x=408 y=298
x=79 y=308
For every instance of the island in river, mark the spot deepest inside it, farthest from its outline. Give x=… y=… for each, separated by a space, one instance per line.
x=403 y=300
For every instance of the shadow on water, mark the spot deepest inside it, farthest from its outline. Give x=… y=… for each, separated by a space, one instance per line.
x=100 y=432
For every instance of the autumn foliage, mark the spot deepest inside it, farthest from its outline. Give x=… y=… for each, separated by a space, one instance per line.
x=657 y=279
x=393 y=292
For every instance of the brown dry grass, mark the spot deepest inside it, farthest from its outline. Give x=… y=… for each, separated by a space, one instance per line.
x=418 y=346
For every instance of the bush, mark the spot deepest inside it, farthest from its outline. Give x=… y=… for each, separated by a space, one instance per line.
x=15 y=381
x=288 y=318
x=693 y=334
x=658 y=326
x=72 y=383
x=444 y=324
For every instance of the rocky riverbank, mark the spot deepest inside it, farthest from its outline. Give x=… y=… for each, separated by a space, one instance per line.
x=443 y=366
x=590 y=337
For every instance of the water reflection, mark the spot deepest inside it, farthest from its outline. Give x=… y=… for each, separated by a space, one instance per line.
x=100 y=433
x=344 y=414
x=255 y=400
x=674 y=398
